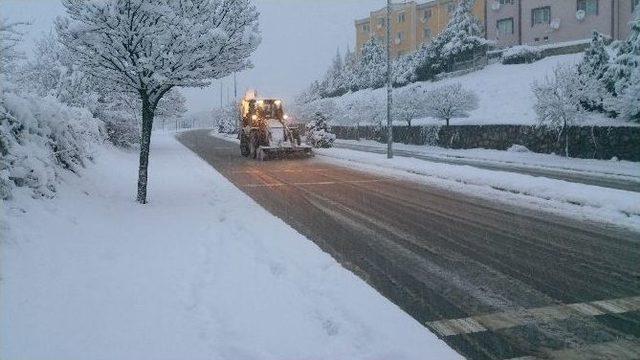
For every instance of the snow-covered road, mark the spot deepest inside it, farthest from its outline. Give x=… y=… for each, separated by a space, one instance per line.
x=497 y=274
x=202 y=272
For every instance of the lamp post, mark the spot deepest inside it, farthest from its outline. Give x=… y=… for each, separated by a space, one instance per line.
x=389 y=86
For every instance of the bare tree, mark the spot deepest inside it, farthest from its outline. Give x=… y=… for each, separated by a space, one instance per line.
x=147 y=47
x=558 y=101
x=450 y=102
x=409 y=104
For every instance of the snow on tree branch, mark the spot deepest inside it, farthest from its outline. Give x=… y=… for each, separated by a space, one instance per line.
x=10 y=35
x=149 y=46
x=449 y=102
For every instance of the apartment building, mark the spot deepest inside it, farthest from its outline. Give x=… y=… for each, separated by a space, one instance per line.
x=507 y=22
x=412 y=24
x=540 y=22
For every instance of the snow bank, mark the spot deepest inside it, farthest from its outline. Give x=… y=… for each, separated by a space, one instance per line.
x=584 y=202
x=504 y=91
x=201 y=273
x=518 y=156
x=40 y=138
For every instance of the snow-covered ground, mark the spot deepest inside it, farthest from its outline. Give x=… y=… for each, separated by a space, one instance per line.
x=202 y=272
x=517 y=156
x=583 y=202
x=504 y=91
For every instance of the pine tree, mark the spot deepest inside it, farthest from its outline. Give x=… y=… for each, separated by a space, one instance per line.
x=627 y=60
x=460 y=40
x=372 y=67
x=319 y=132
x=331 y=85
x=349 y=71
x=404 y=70
x=595 y=61
x=629 y=102
x=592 y=72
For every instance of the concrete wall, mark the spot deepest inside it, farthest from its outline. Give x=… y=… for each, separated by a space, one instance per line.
x=585 y=142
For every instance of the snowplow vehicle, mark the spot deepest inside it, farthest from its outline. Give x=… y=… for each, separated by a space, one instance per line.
x=266 y=134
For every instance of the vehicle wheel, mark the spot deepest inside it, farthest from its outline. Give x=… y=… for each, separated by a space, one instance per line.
x=245 y=149
x=254 y=144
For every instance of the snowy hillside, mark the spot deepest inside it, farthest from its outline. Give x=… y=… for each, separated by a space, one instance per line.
x=91 y=274
x=504 y=91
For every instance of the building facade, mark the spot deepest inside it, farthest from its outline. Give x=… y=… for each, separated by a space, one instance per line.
x=541 y=22
x=507 y=22
x=412 y=24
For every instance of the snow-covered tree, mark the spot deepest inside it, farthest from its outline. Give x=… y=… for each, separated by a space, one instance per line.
x=450 y=102
x=595 y=61
x=332 y=83
x=172 y=107
x=319 y=132
x=349 y=71
x=147 y=47
x=628 y=104
x=404 y=70
x=627 y=59
x=409 y=104
x=558 y=101
x=51 y=72
x=227 y=118
x=462 y=39
x=592 y=72
x=625 y=65
x=372 y=67
x=11 y=34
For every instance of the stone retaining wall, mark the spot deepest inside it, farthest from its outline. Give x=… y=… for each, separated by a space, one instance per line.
x=587 y=142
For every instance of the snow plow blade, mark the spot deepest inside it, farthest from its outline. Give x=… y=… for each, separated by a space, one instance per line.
x=266 y=153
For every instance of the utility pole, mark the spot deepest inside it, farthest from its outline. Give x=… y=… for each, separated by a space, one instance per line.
x=235 y=99
x=235 y=88
x=389 y=86
x=221 y=105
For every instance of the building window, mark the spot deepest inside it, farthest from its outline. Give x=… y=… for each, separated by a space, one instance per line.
x=590 y=7
x=400 y=37
x=634 y=5
x=427 y=33
x=541 y=16
x=365 y=28
x=428 y=13
x=401 y=17
x=381 y=22
x=506 y=2
x=505 y=26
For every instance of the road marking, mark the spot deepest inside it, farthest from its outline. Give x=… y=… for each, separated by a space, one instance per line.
x=508 y=319
x=619 y=350
x=311 y=183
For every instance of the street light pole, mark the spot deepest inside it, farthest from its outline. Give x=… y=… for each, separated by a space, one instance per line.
x=389 y=86
x=235 y=88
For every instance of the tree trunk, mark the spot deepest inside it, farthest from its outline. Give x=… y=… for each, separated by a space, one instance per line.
x=145 y=144
x=447 y=122
x=566 y=139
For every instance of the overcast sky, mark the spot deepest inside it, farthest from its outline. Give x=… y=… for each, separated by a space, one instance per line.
x=299 y=39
